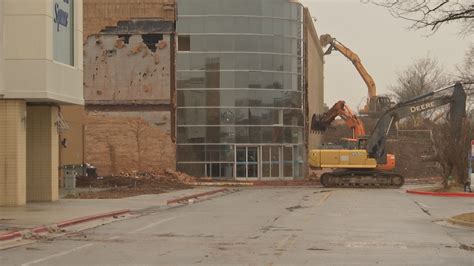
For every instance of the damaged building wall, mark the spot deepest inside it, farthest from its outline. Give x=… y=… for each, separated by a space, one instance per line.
x=128 y=79
x=127 y=68
x=128 y=76
x=101 y=14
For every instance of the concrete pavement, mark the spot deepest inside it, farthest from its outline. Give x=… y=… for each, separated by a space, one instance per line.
x=261 y=226
x=35 y=214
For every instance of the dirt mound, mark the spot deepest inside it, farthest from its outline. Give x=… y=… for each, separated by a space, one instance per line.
x=134 y=183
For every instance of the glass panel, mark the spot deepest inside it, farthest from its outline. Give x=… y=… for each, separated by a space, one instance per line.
x=227 y=79
x=275 y=161
x=241 y=25
x=239 y=116
x=241 y=160
x=198 y=62
x=203 y=153
x=190 y=79
x=267 y=62
x=183 y=61
x=212 y=25
x=198 y=43
x=278 y=27
x=239 y=134
x=196 y=25
x=288 y=161
x=255 y=79
x=183 y=25
x=197 y=170
x=241 y=79
x=252 y=160
x=266 y=161
x=226 y=170
x=242 y=135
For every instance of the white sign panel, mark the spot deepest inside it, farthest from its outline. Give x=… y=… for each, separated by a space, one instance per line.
x=472 y=148
x=63 y=31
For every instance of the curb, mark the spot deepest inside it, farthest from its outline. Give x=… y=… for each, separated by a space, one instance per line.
x=441 y=194
x=259 y=183
x=465 y=219
x=196 y=196
x=460 y=222
x=44 y=228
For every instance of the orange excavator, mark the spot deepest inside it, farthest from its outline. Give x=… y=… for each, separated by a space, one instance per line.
x=320 y=123
x=375 y=104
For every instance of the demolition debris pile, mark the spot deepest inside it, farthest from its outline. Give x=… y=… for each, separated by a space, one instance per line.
x=133 y=183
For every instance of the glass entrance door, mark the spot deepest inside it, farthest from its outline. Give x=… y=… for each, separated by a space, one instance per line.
x=271 y=157
x=247 y=162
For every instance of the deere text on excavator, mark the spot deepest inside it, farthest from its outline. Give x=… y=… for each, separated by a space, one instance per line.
x=369 y=164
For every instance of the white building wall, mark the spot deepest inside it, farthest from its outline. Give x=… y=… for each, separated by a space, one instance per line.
x=30 y=71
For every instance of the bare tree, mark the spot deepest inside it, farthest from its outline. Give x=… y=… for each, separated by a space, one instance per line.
x=422 y=76
x=451 y=153
x=431 y=14
x=465 y=73
x=466 y=69
x=139 y=129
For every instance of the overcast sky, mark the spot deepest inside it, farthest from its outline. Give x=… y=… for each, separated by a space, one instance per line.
x=385 y=45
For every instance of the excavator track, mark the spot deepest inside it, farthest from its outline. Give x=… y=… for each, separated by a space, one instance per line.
x=362 y=179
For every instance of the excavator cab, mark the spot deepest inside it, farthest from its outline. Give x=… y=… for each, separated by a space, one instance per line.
x=376 y=106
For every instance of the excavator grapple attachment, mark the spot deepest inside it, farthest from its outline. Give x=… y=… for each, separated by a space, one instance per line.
x=319 y=125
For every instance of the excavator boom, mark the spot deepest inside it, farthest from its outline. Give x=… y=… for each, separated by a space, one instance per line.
x=326 y=39
x=375 y=104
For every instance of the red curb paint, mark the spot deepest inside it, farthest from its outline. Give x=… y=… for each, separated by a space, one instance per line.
x=441 y=194
x=42 y=229
x=91 y=217
x=196 y=195
x=9 y=236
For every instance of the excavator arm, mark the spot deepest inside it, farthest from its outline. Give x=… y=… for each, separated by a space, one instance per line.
x=457 y=100
x=320 y=123
x=375 y=104
x=353 y=57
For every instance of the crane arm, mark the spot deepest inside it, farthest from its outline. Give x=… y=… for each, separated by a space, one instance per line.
x=457 y=100
x=322 y=122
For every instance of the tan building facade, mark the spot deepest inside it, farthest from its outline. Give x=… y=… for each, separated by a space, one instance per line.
x=35 y=79
x=314 y=73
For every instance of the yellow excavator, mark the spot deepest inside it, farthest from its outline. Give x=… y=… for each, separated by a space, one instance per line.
x=369 y=164
x=375 y=104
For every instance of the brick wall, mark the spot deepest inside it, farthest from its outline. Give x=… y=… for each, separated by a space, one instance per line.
x=101 y=13
x=116 y=144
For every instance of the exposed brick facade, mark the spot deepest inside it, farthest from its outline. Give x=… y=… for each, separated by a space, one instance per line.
x=103 y=13
x=116 y=143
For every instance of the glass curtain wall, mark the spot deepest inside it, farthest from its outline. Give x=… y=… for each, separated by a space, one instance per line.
x=239 y=88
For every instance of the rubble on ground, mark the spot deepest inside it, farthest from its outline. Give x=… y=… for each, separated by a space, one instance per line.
x=133 y=183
